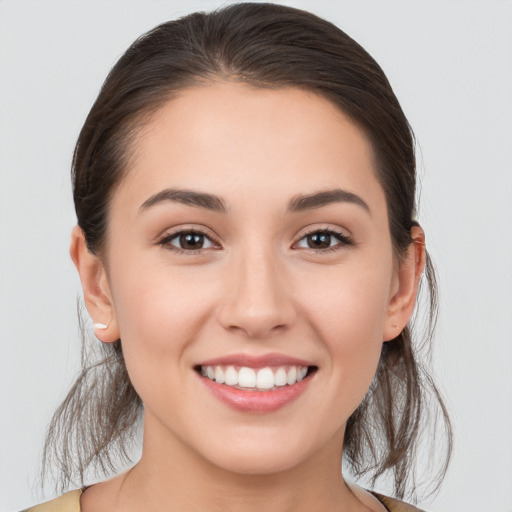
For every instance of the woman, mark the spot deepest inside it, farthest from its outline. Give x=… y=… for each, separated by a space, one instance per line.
x=244 y=187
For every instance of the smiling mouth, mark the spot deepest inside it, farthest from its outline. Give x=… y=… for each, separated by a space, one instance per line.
x=256 y=379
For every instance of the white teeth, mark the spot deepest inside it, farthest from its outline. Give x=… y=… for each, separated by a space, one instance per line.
x=301 y=373
x=280 y=377
x=265 y=379
x=262 y=379
x=231 y=376
x=219 y=375
x=291 y=377
x=247 y=378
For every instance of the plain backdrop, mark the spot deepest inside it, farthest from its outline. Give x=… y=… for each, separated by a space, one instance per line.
x=450 y=63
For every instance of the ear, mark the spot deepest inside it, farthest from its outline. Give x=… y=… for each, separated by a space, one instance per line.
x=97 y=296
x=407 y=279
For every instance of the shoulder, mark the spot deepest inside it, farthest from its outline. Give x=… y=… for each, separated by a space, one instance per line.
x=394 y=505
x=69 y=502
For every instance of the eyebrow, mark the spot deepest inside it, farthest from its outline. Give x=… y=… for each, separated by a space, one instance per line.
x=324 y=198
x=215 y=203
x=188 y=197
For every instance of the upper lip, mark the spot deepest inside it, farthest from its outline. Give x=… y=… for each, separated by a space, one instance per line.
x=252 y=361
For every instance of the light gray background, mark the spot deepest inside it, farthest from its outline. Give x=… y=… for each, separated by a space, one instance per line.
x=450 y=65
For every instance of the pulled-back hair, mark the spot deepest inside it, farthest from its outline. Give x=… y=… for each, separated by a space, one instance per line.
x=268 y=46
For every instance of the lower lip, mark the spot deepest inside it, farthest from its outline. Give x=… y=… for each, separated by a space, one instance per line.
x=256 y=401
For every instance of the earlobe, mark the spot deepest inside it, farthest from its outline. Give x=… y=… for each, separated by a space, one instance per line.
x=96 y=290
x=402 y=302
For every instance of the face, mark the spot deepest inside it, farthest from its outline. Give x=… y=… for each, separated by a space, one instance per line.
x=247 y=245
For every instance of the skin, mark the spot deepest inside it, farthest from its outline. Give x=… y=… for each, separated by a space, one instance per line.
x=256 y=288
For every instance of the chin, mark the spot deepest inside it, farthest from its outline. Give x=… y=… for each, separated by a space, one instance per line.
x=265 y=454
x=258 y=463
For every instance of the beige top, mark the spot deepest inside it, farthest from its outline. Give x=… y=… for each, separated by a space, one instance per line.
x=70 y=502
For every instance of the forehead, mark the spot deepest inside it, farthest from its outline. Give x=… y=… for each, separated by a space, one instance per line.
x=236 y=140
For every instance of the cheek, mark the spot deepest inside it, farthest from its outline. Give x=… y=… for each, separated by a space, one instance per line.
x=350 y=303
x=161 y=310
x=348 y=312
x=160 y=314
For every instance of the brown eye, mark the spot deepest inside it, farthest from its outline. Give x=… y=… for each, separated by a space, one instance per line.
x=187 y=241
x=319 y=240
x=191 y=241
x=324 y=240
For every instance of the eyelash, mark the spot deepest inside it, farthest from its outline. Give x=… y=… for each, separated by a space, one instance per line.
x=343 y=240
x=166 y=241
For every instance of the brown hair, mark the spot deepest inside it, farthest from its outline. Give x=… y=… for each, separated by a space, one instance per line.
x=271 y=46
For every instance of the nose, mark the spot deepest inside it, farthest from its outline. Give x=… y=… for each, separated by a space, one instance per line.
x=258 y=296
